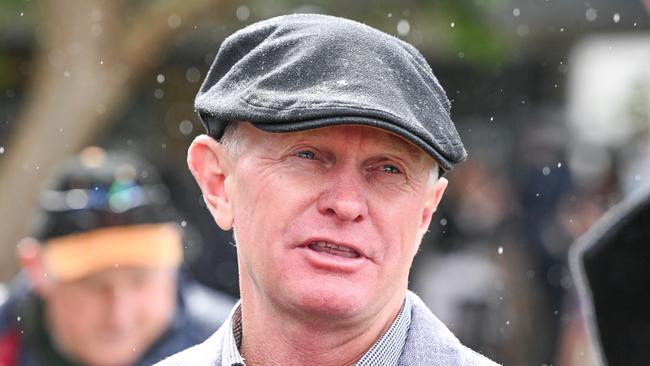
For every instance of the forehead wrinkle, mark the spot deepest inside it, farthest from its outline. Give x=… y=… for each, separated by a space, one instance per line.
x=385 y=141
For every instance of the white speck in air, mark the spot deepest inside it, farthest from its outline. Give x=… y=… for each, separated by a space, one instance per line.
x=243 y=13
x=591 y=14
x=403 y=27
x=185 y=127
x=174 y=21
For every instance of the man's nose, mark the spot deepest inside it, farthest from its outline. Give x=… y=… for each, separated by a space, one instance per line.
x=119 y=307
x=344 y=197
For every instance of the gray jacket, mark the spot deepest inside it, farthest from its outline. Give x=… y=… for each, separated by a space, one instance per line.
x=428 y=343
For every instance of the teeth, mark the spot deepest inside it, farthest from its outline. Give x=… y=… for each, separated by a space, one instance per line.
x=325 y=244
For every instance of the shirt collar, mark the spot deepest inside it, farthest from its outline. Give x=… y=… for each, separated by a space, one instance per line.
x=385 y=351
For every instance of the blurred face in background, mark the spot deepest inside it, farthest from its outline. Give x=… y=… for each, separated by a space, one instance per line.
x=106 y=309
x=112 y=317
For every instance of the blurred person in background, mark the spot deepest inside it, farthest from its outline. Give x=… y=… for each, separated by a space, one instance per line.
x=101 y=283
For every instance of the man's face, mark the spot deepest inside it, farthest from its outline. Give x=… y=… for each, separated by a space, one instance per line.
x=327 y=221
x=112 y=317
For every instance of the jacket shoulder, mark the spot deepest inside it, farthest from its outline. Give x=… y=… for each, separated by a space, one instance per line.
x=430 y=342
x=207 y=353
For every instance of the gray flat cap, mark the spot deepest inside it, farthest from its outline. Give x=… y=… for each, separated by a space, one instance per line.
x=304 y=71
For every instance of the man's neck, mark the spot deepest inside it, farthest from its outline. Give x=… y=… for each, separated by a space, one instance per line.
x=273 y=337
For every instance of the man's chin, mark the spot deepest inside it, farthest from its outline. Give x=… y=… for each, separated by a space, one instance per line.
x=331 y=304
x=111 y=355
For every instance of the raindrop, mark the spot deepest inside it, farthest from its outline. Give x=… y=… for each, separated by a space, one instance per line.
x=617 y=17
x=561 y=29
x=390 y=15
x=163 y=146
x=461 y=54
x=174 y=21
x=443 y=222
x=635 y=24
x=507 y=322
x=18 y=319
x=185 y=127
x=500 y=250
x=591 y=14
x=452 y=24
x=193 y=75
x=183 y=223
x=66 y=73
x=403 y=27
x=158 y=93
x=21 y=13
x=516 y=12
x=101 y=62
x=160 y=78
x=2 y=150
x=243 y=12
x=559 y=165
x=546 y=170
x=491 y=119
x=523 y=30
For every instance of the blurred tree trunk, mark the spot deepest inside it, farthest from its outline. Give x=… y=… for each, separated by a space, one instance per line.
x=88 y=55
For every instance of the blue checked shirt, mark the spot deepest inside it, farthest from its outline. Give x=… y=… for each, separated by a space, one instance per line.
x=386 y=351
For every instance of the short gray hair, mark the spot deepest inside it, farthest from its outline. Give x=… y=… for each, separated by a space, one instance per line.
x=234 y=138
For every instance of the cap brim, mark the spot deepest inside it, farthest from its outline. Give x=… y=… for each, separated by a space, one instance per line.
x=151 y=245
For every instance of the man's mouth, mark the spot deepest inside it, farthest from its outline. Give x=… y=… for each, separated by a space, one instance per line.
x=333 y=249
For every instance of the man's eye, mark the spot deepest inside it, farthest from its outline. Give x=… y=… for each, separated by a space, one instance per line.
x=306 y=155
x=387 y=168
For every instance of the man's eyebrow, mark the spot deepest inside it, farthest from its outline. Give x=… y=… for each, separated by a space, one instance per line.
x=397 y=144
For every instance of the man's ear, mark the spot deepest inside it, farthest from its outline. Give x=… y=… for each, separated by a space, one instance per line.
x=434 y=195
x=30 y=256
x=210 y=165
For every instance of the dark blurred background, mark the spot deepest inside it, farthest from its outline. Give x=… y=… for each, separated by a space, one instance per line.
x=552 y=99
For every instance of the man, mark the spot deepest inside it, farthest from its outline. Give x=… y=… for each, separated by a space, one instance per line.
x=100 y=284
x=332 y=136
